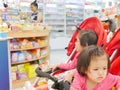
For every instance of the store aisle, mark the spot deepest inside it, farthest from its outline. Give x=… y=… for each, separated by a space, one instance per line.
x=58 y=56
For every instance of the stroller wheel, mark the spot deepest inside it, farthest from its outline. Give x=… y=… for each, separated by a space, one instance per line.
x=61 y=85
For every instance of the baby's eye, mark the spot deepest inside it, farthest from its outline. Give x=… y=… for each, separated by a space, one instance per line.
x=104 y=68
x=95 y=69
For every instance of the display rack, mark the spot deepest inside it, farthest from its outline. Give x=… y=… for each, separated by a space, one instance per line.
x=5 y=78
x=39 y=56
x=74 y=14
x=61 y=15
x=54 y=15
x=93 y=8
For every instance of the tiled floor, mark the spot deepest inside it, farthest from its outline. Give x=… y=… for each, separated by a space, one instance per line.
x=56 y=56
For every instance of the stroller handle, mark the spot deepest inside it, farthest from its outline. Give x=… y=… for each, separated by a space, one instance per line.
x=40 y=73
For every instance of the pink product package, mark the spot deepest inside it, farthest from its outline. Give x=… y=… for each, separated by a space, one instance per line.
x=22 y=75
x=14 y=57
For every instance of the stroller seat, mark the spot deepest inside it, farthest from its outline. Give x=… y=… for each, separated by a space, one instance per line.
x=92 y=23
x=113 y=50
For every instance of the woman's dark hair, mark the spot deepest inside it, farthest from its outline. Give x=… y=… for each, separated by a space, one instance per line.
x=87 y=37
x=88 y=54
x=112 y=24
x=35 y=3
x=5 y=5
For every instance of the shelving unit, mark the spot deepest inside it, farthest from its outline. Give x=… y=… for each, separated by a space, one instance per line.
x=39 y=51
x=28 y=48
x=54 y=15
x=93 y=8
x=61 y=15
x=27 y=61
x=74 y=15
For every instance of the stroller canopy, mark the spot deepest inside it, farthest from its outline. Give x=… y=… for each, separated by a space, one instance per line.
x=93 y=23
x=113 y=45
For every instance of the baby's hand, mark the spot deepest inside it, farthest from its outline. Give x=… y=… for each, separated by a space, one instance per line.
x=55 y=67
x=68 y=77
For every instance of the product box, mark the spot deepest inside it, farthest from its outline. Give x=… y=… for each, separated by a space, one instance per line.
x=3 y=35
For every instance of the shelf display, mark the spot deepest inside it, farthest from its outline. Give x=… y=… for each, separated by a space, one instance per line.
x=54 y=15
x=61 y=15
x=74 y=14
x=28 y=50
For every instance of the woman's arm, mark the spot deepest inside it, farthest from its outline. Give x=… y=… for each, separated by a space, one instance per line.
x=39 y=17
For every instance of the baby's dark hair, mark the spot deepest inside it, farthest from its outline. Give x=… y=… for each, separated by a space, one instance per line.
x=88 y=54
x=88 y=37
x=35 y=3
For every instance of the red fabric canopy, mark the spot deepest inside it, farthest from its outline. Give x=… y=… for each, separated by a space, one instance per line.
x=92 y=23
x=113 y=45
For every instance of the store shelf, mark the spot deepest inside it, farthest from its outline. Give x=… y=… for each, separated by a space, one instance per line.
x=56 y=24
x=37 y=36
x=54 y=18
x=28 y=33
x=29 y=48
x=54 y=2
x=20 y=83
x=54 y=13
x=74 y=14
x=16 y=63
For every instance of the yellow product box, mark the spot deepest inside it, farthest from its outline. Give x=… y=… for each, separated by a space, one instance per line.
x=41 y=42
x=14 y=68
x=26 y=65
x=31 y=71
x=21 y=68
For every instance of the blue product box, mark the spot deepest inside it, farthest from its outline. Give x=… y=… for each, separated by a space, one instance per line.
x=3 y=34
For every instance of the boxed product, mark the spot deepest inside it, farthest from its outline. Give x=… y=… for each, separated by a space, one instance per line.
x=3 y=34
x=14 y=57
x=14 y=72
x=21 y=72
x=31 y=71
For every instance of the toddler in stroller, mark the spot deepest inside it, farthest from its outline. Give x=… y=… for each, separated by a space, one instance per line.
x=92 y=23
x=84 y=38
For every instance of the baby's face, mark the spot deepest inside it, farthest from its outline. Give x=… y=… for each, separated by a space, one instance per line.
x=97 y=69
x=78 y=46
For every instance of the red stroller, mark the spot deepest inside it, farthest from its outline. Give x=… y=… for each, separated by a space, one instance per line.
x=113 y=50
x=92 y=23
